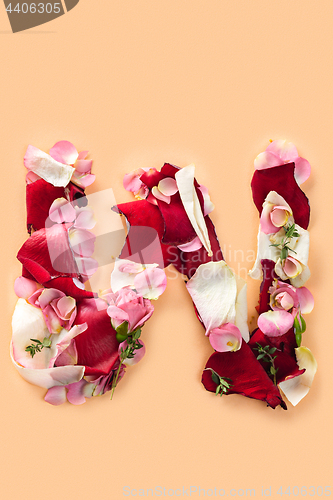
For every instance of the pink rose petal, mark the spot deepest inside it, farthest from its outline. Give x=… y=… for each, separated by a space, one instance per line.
x=306 y=300
x=56 y=395
x=83 y=166
x=286 y=151
x=168 y=186
x=24 y=287
x=64 y=152
x=151 y=283
x=225 y=338
x=191 y=246
x=266 y=160
x=302 y=170
x=275 y=323
x=62 y=210
x=160 y=196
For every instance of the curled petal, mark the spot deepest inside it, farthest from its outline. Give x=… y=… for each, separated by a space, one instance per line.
x=168 y=186
x=117 y=315
x=160 y=196
x=151 y=283
x=208 y=204
x=225 y=338
x=275 y=323
x=64 y=152
x=82 y=180
x=296 y=389
x=47 y=168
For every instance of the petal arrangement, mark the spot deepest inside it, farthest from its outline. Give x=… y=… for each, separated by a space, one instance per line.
x=77 y=343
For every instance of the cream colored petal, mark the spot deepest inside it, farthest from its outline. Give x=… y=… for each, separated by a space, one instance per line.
x=264 y=251
x=275 y=199
x=49 y=377
x=295 y=389
x=47 y=168
x=190 y=200
x=213 y=289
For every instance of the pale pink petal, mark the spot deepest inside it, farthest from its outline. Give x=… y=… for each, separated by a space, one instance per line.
x=56 y=395
x=117 y=315
x=78 y=392
x=84 y=218
x=132 y=182
x=267 y=160
x=65 y=306
x=160 y=196
x=62 y=210
x=208 y=204
x=266 y=224
x=150 y=283
x=82 y=155
x=87 y=266
x=47 y=168
x=286 y=151
x=68 y=356
x=225 y=338
x=83 y=180
x=191 y=246
x=83 y=166
x=292 y=267
x=306 y=300
x=64 y=152
x=48 y=295
x=138 y=353
x=63 y=340
x=82 y=242
x=275 y=323
x=31 y=177
x=302 y=170
x=279 y=216
x=168 y=186
x=24 y=287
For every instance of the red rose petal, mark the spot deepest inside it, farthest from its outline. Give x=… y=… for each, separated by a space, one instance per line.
x=281 y=179
x=285 y=359
x=39 y=197
x=35 y=256
x=247 y=375
x=97 y=347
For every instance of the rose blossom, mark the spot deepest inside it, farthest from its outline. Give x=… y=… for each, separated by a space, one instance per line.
x=127 y=305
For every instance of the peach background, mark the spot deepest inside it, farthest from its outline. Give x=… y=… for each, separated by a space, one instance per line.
x=138 y=83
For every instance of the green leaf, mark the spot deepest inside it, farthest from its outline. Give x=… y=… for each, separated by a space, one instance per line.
x=123 y=329
x=37 y=341
x=260 y=356
x=215 y=378
x=284 y=253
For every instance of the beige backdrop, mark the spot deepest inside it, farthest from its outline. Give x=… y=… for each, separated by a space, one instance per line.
x=138 y=83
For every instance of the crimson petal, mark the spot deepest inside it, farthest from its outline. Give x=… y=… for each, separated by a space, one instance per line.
x=97 y=347
x=285 y=360
x=39 y=197
x=147 y=225
x=269 y=275
x=281 y=179
x=35 y=257
x=247 y=375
